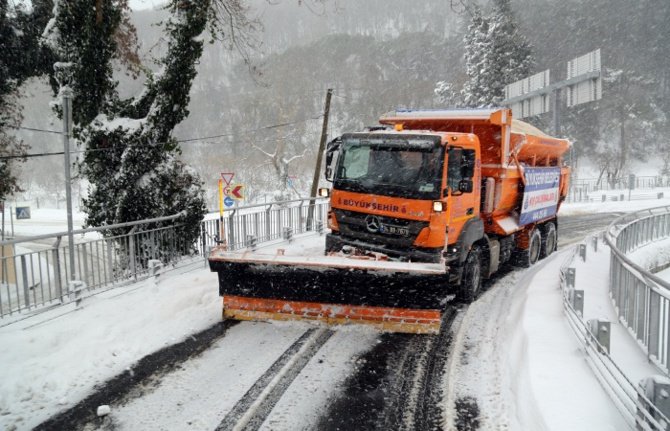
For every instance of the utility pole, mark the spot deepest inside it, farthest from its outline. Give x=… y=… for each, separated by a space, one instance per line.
x=66 y=97
x=319 y=159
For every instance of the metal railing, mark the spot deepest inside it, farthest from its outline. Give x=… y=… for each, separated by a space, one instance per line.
x=642 y=299
x=622 y=183
x=34 y=271
x=264 y=222
x=634 y=401
x=621 y=189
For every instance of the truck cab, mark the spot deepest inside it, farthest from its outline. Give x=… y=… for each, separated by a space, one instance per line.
x=406 y=194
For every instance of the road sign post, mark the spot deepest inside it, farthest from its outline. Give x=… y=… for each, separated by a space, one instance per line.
x=222 y=238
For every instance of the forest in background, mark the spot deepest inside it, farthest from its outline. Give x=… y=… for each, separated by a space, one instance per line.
x=377 y=56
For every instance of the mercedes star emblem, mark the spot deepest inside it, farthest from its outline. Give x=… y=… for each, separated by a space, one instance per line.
x=372 y=223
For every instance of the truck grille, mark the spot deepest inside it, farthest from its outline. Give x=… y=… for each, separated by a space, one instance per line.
x=376 y=229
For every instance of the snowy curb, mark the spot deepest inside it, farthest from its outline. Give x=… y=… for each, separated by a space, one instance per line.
x=596 y=332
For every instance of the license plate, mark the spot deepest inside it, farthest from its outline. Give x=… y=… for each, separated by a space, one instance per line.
x=394 y=230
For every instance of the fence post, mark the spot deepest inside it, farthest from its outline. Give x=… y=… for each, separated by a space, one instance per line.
x=203 y=238
x=582 y=251
x=131 y=245
x=26 y=287
x=251 y=242
x=599 y=331
x=268 y=227
x=231 y=232
x=287 y=233
x=576 y=298
x=654 y=390
x=570 y=277
x=57 y=273
x=84 y=259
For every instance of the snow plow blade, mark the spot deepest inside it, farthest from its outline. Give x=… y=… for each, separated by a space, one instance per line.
x=391 y=296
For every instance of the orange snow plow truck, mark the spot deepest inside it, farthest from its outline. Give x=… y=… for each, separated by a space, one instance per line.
x=422 y=209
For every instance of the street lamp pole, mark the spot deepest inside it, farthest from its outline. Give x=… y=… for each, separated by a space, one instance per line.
x=63 y=73
x=66 y=97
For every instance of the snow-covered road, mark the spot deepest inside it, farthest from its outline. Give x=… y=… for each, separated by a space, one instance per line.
x=499 y=377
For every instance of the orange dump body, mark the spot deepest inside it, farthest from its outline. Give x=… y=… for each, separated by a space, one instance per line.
x=507 y=147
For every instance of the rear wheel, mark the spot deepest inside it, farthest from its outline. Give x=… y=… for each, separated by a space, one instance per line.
x=529 y=256
x=471 y=279
x=548 y=240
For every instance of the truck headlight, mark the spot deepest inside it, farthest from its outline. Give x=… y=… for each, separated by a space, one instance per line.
x=438 y=206
x=324 y=192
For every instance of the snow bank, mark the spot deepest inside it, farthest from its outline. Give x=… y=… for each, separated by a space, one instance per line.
x=52 y=360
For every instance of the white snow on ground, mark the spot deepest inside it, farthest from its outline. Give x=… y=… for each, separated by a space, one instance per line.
x=518 y=357
x=625 y=205
x=211 y=385
x=52 y=360
x=665 y=274
x=320 y=380
x=41 y=222
x=592 y=276
x=652 y=255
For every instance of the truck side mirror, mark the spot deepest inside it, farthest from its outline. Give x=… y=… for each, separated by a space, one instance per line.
x=465 y=185
x=332 y=150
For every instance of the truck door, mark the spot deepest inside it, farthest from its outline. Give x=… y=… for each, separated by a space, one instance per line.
x=462 y=184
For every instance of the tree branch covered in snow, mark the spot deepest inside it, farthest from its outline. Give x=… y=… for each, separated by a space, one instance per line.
x=22 y=57
x=497 y=54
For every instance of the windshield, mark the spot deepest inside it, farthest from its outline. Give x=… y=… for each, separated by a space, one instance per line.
x=402 y=166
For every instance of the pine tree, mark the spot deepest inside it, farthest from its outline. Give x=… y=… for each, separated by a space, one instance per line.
x=477 y=48
x=497 y=54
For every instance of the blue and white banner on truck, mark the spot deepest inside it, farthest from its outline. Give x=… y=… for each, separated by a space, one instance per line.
x=540 y=197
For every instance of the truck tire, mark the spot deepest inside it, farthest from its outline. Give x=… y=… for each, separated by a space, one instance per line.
x=549 y=240
x=471 y=278
x=528 y=257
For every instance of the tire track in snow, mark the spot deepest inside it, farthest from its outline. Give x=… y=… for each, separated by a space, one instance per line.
x=121 y=386
x=253 y=408
x=396 y=385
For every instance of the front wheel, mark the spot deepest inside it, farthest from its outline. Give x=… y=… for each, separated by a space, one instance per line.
x=471 y=279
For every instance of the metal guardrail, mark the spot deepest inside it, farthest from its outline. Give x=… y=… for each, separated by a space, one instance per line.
x=642 y=299
x=621 y=189
x=263 y=222
x=34 y=271
x=634 y=401
x=622 y=183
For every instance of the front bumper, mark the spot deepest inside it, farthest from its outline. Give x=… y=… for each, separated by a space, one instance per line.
x=335 y=243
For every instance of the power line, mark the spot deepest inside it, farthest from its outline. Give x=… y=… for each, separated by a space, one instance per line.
x=33 y=129
x=60 y=153
x=273 y=126
x=27 y=156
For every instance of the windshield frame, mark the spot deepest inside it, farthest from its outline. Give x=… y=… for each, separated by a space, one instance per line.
x=393 y=142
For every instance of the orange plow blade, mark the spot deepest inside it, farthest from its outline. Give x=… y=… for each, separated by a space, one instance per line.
x=384 y=318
